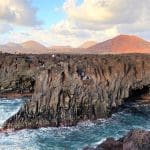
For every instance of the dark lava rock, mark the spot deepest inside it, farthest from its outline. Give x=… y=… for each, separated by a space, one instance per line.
x=73 y=88
x=17 y=75
x=134 y=140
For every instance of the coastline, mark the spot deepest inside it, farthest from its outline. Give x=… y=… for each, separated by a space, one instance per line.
x=136 y=139
x=70 y=88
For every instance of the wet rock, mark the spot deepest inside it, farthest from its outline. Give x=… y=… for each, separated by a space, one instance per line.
x=134 y=140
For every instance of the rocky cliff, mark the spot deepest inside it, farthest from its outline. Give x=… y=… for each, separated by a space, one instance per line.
x=18 y=73
x=73 y=88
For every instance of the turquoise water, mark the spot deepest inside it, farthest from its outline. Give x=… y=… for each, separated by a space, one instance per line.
x=71 y=138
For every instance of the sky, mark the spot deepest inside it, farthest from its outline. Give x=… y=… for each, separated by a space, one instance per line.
x=71 y=22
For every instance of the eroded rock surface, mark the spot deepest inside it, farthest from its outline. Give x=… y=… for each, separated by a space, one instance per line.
x=73 y=88
x=18 y=73
x=134 y=140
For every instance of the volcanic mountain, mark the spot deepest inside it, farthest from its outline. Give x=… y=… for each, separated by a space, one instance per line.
x=87 y=44
x=11 y=48
x=28 y=47
x=119 y=44
x=34 y=47
x=122 y=44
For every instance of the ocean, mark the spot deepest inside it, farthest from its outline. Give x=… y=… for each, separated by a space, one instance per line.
x=68 y=138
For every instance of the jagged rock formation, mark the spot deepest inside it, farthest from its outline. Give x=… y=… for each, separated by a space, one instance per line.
x=18 y=73
x=134 y=140
x=75 y=88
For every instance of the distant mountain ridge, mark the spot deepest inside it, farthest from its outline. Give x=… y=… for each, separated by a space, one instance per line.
x=118 y=44
x=11 y=48
x=88 y=44
x=28 y=47
x=122 y=44
x=31 y=46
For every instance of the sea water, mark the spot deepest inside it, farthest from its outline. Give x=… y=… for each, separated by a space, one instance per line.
x=67 y=138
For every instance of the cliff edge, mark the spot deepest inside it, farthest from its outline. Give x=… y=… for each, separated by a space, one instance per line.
x=74 y=88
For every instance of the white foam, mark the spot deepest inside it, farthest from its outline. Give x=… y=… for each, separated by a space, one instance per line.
x=101 y=141
x=4 y=109
x=86 y=123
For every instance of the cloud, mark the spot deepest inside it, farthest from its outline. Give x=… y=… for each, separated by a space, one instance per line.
x=68 y=28
x=19 y=12
x=90 y=20
x=5 y=28
x=63 y=33
x=102 y=14
x=102 y=19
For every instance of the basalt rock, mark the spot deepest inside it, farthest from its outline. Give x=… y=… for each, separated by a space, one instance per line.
x=74 y=88
x=134 y=140
x=18 y=73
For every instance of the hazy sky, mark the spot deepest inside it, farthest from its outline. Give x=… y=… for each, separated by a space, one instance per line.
x=70 y=22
